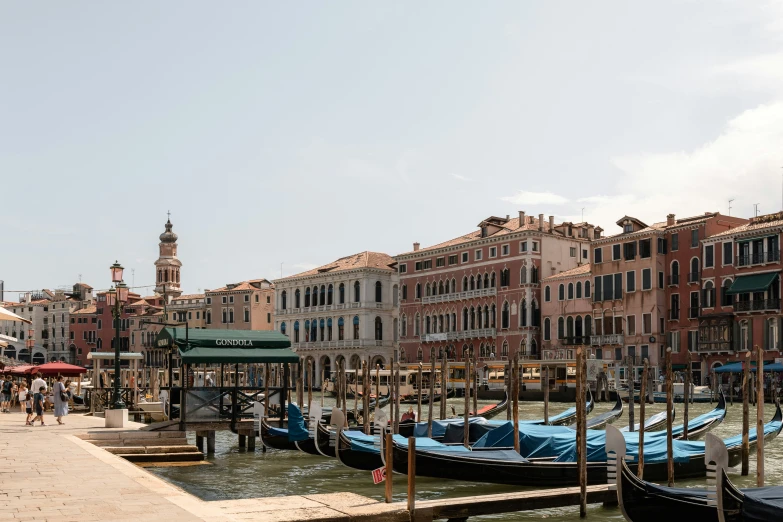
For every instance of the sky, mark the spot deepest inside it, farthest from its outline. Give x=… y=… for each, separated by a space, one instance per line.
x=284 y=135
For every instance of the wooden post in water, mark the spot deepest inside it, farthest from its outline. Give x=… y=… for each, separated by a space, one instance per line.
x=686 y=391
x=412 y=476
x=377 y=382
x=323 y=386
x=299 y=385
x=267 y=404
x=759 y=416
x=509 y=387
x=356 y=394
x=344 y=390
x=515 y=401
x=642 y=403
x=310 y=368
x=745 y=413
x=397 y=398
x=389 y=472
x=473 y=382
x=366 y=397
x=545 y=384
x=418 y=394
x=284 y=395
x=444 y=379
x=431 y=405
x=669 y=407
x=631 y=393
x=390 y=386
x=581 y=431
x=466 y=415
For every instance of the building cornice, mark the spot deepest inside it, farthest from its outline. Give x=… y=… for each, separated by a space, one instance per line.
x=333 y=275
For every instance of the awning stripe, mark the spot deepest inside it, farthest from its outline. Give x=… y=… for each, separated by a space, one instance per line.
x=752 y=283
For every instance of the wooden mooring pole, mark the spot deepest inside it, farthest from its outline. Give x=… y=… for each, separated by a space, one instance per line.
x=389 y=470
x=444 y=390
x=545 y=384
x=366 y=397
x=581 y=431
x=412 y=477
x=466 y=414
x=759 y=416
x=310 y=368
x=418 y=394
x=266 y=391
x=509 y=386
x=397 y=398
x=323 y=386
x=686 y=395
x=669 y=407
x=631 y=393
x=642 y=404
x=474 y=383
x=515 y=400
x=745 y=413
x=431 y=405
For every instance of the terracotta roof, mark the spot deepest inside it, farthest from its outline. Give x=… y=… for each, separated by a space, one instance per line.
x=651 y=228
x=244 y=285
x=85 y=285
x=188 y=296
x=509 y=227
x=749 y=227
x=578 y=271
x=89 y=309
x=377 y=260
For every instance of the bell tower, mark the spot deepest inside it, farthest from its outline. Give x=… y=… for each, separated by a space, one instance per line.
x=168 y=266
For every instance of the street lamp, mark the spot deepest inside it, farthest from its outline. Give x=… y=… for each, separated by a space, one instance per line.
x=116 y=299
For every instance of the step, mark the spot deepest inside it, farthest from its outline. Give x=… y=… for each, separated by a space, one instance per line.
x=130 y=434
x=181 y=441
x=163 y=457
x=150 y=450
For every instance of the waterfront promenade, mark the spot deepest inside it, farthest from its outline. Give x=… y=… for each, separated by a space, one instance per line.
x=48 y=473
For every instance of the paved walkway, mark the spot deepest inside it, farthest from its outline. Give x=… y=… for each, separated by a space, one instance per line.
x=46 y=473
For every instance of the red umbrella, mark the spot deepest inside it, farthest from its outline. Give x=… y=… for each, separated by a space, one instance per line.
x=22 y=369
x=57 y=368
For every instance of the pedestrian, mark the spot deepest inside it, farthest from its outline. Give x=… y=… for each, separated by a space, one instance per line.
x=28 y=406
x=8 y=390
x=60 y=400
x=39 y=406
x=22 y=396
x=38 y=382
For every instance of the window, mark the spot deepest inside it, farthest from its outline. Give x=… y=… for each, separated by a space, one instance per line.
x=708 y=295
x=630 y=281
x=427 y=264
x=646 y=279
x=493 y=252
x=505 y=277
x=615 y=252
x=694 y=238
x=418 y=265
x=535 y=246
x=356 y=292
x=608 y=287
x=646 y=324
x=523 y=246
x=505 y=250
x=709 y=259
x=660 y=279
x=356 y=327
x=283 y=296
x=573 y=251
x=598 y=295
x=418 y=290
x=547 y=294
x=547 y=333
x=505 y=317
x=587 y=289
x=693 y=310
x=627 y=228
x=570 y=290
x=629 y=251
x=224 y=299
x=378 y=291
x=231 y=299
x=231 y=315
x=404 y=292
x=477 y=255
x=578 y=289
x=465 y=257
x=771 y=334
x=693 y=340
x=674 y=307
x=378 y=329
x=440 y=262
x=268 y=317
x=598 y=255
x=208 y=316
x=561 y=292
x=661 y=245
x=453 y=259
x=728 y=253
x=630 y=325
x=725 y=297
x=560 y=328
x=247 y=298
x=645 y=248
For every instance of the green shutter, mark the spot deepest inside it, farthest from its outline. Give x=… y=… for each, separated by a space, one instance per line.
x=736 y=336
x=750 y=334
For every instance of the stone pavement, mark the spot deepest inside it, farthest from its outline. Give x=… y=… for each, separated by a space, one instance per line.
x=47 y=473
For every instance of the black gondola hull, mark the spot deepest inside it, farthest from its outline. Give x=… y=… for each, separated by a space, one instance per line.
x=361 y=460
x=275 y=441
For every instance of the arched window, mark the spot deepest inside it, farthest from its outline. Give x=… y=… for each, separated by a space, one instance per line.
x=330 y=295
x=533 y=348
x=570 y=290
x=523 y=275
x=478 y=282
x=504 y=348
x=694 y=275
x=675 y=271
x=378 y=292
x=547 y=326
x=418 y=290
x=341 y=291
x=464 y=318
x=588 y=326
x=307 y=297
x=356 y=327
x=322 y=324
x=428 y=291
x=486 y=317
x=419 y=354
x=416 y=326
x=472 y=318
x=322 y=298
x=522 y=347
x=561 y=292
x=772 y=334
x=725 y=297
x=282 y=328
x=296 y=331
x=560 y=328
x=570 y=327
x=378 y=329
x=708 y=299
x=486 y=280
x=404 y=292
x=283 y=299
x=297 y=298
x=482 y=354
x=472 y=283
x=307 y=331
x=465 y=284
x=404 y=325
x=427 y=325
x=578 y=289
x=578 y=332
x=523 y=313
x=587 y=289
x=329 y=329
x=505 y=315
x=441 y=290
x=536 y=313
x=547 y=294
x=534 y=274
x=356 y=292
x=492 y=280
x=505 y=277
x=453 y=285
x=340 y=329
x=453 y=322
x=440 y=323
x=492 y=316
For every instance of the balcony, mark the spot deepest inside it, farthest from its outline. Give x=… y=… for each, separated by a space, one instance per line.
x=673 y=280
x=757 y=305
x=576 y=340
x=320 y=345
x=599 y=340
x=457 y=296
x=459 y=335
x=758 y=258
x=693 y=277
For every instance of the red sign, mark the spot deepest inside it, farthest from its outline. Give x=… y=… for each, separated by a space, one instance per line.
x=379 y=475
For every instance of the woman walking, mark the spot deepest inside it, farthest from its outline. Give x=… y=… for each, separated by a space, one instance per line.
x=60 y=400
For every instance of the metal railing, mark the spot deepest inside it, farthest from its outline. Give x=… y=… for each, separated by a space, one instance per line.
x=597 y=340
x=673 y=279
x=215 y=404
x=576 y=340
x=693 y=277
x=771 y=256
x=693 y=312
x=456 y=296
x=459 y=335
x=674 y=314
x=756 y=305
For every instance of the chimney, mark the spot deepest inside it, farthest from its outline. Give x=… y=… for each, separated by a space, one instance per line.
x=521 y=218
x=551 y=224
x=669 y=220
x=508 y=217
x=416 y=246
x=540 y=222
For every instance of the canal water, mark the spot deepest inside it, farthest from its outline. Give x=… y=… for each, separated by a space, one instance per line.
x=236 y=473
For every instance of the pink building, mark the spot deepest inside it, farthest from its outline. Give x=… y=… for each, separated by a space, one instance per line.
x=567 y=311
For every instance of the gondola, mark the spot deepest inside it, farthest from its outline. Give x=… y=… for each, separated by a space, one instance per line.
x=275 y=438
x=359 y=451
x=702 y=424
x=492 y=410
x=492 y=465
x=654 y=423
x=748 y=505
x=599 y=421
x=565 y=418
x=414 y=399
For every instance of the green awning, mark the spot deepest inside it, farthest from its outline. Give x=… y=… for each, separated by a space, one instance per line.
x=752 y=283
x=197 y=346
x=201 y=355
x=679 y=366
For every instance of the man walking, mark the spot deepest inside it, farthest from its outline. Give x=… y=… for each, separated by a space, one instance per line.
x=8 y=391
x=39 y=383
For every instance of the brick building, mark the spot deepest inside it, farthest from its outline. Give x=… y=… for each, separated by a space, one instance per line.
x=567 y=312
x=248 y=305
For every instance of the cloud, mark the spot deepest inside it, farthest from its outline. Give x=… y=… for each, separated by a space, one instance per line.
x=535 y=198
x=461 y=178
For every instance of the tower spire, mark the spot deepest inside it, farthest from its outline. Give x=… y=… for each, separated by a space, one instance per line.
x=168 y=265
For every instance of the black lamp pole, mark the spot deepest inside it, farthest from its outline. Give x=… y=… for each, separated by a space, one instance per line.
x=116 y=299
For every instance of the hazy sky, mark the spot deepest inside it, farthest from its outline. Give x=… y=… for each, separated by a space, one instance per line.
x=300 y=132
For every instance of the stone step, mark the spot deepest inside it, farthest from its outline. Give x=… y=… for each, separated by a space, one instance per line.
x=188 y=456
x=150 y=450
x=181 y=441
x=130 y=434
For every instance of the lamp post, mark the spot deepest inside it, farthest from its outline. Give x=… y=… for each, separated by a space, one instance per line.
x=116 y=299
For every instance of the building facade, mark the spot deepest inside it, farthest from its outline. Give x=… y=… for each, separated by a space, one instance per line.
x=248 y=305
x=342 y=312
x=189 y=308
x=168 y=266
x=482 y=290
x=567 y=311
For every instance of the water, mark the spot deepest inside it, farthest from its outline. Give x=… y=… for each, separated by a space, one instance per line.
x=235 y=473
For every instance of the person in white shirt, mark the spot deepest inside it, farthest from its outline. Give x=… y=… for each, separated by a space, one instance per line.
x=38 y=382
